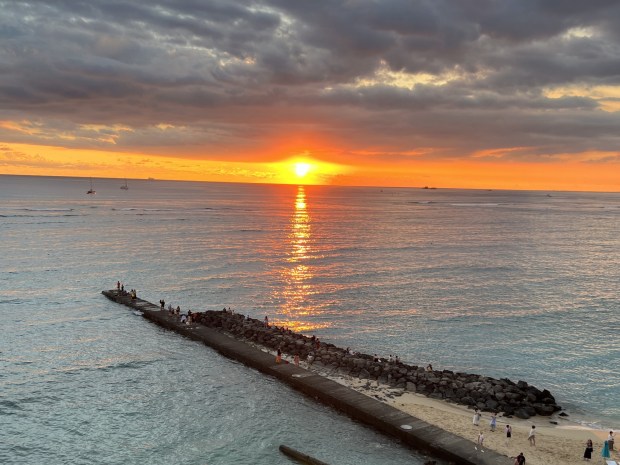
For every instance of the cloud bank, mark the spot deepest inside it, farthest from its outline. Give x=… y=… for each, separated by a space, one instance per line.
x=375 y=81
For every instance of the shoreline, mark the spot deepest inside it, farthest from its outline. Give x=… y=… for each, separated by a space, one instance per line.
x=562 y=443
x=432 y=418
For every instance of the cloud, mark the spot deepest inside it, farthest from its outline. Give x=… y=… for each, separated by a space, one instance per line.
x=213 y=79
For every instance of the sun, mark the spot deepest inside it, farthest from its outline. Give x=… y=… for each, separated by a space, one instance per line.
x=302 y=169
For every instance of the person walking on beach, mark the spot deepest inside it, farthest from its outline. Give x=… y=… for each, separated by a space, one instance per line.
x=587 y=455
x=493 y=422
x=610 y=440
x=480 y=440
x=477 y=415
x=532 y=436
x=508 y=433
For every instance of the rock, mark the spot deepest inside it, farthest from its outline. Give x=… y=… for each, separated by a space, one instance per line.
x=543 y=409
x=491 y=405
x=521 y=413
x=520 y=399
x=522 y=385
x=508 y=410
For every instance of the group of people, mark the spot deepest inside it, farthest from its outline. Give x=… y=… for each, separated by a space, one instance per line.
x=390 y=359
x=608 y=445
x=519 y=459
x=120 y=287
x=295 y=358
x=186 y=318
x=309 y=358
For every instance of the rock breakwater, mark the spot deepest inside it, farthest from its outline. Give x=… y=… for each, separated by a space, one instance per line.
x=518 y=399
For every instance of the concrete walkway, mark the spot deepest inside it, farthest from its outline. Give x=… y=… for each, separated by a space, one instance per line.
x=383 y=417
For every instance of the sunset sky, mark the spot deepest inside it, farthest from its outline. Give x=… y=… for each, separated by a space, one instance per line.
x=514 y=94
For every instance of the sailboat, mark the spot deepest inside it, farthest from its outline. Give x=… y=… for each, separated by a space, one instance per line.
x=125 y=186
x=91 y=191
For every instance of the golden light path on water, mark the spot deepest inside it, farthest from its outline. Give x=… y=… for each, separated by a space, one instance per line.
x=297 y=277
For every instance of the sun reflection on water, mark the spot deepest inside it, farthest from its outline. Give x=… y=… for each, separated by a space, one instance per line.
x=297 y=277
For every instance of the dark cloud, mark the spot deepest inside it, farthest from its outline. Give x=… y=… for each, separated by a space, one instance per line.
x=462 y=75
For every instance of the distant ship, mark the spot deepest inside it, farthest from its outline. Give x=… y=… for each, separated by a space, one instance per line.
x=125 y=186
x=91 y=191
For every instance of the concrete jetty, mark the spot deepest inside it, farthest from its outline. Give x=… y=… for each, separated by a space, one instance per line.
x=384 y=418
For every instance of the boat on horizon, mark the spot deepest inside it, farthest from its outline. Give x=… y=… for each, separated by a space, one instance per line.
x=125 y=186
x=91 y=191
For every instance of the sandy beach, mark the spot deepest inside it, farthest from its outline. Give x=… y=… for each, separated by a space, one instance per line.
x=556 y=444
x=563 y=443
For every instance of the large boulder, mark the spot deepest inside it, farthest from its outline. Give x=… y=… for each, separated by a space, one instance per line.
x=543 y=409
x=521 y=413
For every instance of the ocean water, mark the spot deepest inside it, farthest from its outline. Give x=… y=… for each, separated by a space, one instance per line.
x=521 y=285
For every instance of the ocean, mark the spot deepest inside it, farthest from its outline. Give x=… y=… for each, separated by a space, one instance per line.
x=515 y=284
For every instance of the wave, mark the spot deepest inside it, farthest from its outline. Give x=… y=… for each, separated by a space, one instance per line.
x=27 y=209
x=134 y=209
x=22 y=216
x=105 y=367
x=36 y=222
x=484 y=204
x=47 y=209
x=7 y=405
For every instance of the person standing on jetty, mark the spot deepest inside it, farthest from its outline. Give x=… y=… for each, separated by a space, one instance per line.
x=279 y=356
x=162 y=303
